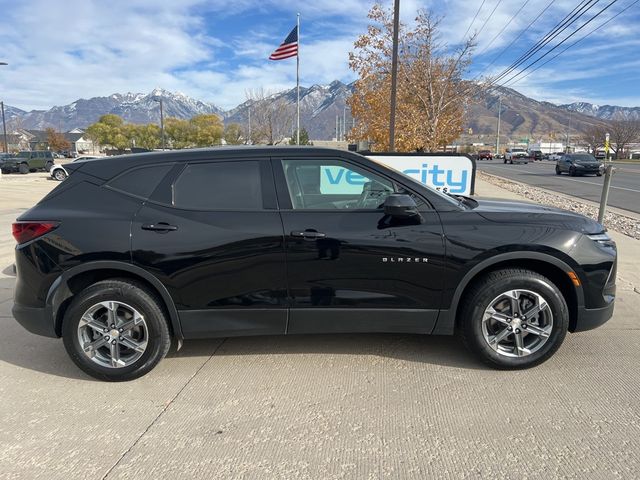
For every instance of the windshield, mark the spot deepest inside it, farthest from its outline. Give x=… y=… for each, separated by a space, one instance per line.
x=583 y=158
x=444 y=196
x=517 y=149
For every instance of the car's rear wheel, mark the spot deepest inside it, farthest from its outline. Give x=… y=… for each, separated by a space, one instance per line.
x=558 y=171
x=116 y=330
x=514 y=318
x=23 y=168
x=572 y=171
x=59 y=174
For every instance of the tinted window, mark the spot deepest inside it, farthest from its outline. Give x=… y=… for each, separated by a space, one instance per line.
x=219 y=186
x=334 y=184
x=141 y=181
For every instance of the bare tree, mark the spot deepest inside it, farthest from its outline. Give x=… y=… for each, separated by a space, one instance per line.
x=623 y=132
x=271 y=117
x=594 y=136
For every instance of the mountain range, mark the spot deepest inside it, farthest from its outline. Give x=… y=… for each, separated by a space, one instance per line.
x=319 y=107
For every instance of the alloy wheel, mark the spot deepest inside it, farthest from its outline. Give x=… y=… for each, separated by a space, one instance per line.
x=517 y=323
x=113 y=334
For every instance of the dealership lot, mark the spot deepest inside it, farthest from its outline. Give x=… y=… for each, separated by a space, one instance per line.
x=324 y=406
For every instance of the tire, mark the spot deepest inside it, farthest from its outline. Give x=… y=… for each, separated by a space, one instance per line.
x=598 y=174
x=505 y=161
x=152 y=337
x=47 y=166
x=486 y=291
x=572 y=172
x=558 y=172
x=59 y=174
x=23 y=168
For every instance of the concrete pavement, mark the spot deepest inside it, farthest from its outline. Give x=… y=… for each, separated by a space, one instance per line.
x=321 y=406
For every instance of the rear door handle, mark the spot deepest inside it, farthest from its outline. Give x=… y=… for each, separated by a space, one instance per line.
x=308 y=234
x=159 y=227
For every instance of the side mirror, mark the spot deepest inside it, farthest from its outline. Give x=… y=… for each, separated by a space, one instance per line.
x=400 y=205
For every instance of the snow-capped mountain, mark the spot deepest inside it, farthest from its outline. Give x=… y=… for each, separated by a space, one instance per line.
x=132 y=107
x=319 y=106
x=606 y=112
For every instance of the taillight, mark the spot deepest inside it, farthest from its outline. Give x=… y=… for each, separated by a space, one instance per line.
x=26 y=231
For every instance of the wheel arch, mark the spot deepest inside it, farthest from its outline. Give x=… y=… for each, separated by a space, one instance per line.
x=547 y=265
x=72 y=281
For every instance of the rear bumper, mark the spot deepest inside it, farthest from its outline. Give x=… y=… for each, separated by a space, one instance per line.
x=34 y=319
x=590 y=318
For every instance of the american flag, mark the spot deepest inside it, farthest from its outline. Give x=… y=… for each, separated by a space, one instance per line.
x=288 y=48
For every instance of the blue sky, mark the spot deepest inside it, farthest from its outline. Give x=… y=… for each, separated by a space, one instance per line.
x=62 y=50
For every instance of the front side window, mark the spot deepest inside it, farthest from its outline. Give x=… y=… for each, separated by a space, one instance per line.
x=334 y=184
x=219 y=186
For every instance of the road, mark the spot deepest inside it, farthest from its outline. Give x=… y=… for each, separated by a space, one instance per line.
x=625 y=187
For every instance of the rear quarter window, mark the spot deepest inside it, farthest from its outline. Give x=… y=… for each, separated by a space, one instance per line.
x=141 y=181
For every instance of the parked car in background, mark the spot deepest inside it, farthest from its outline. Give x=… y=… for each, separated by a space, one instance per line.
x=536 y=155
x=28 y=161
x=579 y=164
x=58 y=172
x=485 y=155
x=132 y=251
x=516 y=155
x=556 y=156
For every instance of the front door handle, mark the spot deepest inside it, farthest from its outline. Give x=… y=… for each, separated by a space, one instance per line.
x=308 y=234
x=159 y=227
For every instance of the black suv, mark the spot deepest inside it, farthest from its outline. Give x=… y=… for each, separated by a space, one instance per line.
x=27 y=161
x=134 y=250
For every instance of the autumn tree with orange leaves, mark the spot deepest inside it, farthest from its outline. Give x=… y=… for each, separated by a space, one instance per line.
x=431 y=94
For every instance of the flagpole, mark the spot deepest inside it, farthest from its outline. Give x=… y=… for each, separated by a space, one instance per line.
x=298 y=86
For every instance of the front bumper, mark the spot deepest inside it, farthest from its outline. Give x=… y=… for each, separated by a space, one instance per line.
x=37 y=320
x=590 y=318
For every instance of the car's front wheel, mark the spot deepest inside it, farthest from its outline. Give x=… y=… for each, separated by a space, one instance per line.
x=59 y=174
x=116 y=330
x=48 y=166
x=514 y=318
x=558 y=171
x=23 y=168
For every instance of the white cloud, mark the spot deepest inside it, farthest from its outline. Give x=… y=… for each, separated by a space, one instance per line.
x=84 y=48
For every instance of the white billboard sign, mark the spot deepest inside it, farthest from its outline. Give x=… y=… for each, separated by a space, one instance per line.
x=448 y=173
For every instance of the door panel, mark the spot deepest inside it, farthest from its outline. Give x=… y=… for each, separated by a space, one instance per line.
x=350 y=267
x=225 y=270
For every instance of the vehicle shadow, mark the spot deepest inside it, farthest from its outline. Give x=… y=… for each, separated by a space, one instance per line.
x=25 y=350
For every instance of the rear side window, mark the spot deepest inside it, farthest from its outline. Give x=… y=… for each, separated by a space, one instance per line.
x=140 y=182
x=219 y=186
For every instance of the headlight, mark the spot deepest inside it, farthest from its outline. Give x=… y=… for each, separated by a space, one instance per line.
x=603 y=239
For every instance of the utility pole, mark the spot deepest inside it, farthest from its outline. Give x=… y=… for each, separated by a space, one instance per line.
x=4 y=130
x=337 y=128
x=4 y=123
x=159 y=99
x=344 y=123
x=394 y=76
x=498 y=135
x=249 y=139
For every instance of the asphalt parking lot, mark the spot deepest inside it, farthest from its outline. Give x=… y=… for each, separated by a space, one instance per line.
x=321 y=406
x=625 y=185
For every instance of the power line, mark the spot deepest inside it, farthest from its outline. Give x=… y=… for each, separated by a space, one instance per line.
x=515 y=39
x=473 y=21
x=579 y=40
x=569 y=20
x=489 y=17
x=563 y=41
x=505 y=27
